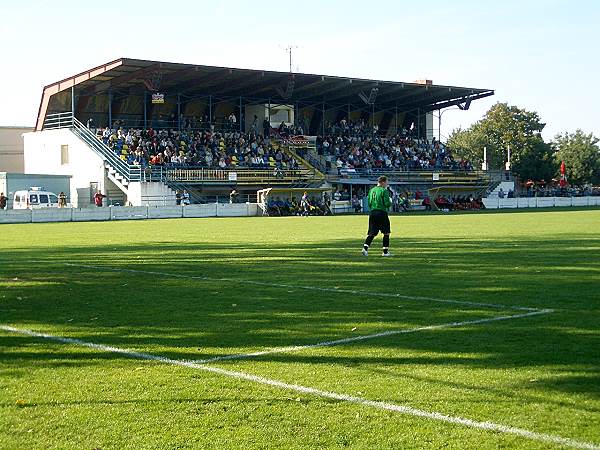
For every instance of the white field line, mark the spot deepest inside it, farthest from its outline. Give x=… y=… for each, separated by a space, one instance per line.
x=402 y=409
x=297 y=348
x=309 y=288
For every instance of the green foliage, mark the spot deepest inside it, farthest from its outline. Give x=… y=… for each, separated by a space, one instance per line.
x=581 y=155
x=535 y=162
x=540 y=373
x=501 y=127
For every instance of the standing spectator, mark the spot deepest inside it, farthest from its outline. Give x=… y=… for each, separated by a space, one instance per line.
x=427 y=204
x=178 y=197
x=186 y=197
x=232 y=121
x=62 y=200
x=266 y=128
x=233 y=196
x=356 y=204
x=98 y=197
x=3 y=200
x=305 y=204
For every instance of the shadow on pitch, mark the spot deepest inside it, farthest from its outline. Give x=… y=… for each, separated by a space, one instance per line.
x=187 y=318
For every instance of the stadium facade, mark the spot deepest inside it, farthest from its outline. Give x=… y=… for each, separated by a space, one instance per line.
x=143 y=94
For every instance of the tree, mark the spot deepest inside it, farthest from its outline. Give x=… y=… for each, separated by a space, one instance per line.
x=501 y=127
x=536 y=162
x=581 y=155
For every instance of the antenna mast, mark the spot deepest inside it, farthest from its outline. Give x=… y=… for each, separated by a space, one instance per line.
x=289 y=49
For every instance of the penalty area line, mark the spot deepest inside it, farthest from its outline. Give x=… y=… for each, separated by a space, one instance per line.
x=350 y=340
x=380 y=405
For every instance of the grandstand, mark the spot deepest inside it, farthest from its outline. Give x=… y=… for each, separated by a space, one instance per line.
x=138 y=131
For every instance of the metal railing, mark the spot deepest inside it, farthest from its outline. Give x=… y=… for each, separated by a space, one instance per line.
x=442 y=175
x=236 y=176
x=67 y=120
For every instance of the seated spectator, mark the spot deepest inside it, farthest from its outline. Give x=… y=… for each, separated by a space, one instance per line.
x=354 y=145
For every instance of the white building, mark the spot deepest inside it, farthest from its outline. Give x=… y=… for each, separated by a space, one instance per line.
x=11 y=149
x=67 y=151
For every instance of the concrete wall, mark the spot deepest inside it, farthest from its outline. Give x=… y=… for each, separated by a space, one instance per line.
x=539 y=202
x=43 y=155
x=150 y=193
x=127 y=213
x=11 y=149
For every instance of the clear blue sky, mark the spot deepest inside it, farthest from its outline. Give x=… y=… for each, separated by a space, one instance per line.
x=540 y=55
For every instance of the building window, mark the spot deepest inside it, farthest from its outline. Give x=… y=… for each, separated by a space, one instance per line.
x=64 y=154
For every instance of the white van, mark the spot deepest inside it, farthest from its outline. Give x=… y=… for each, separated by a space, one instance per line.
x=35 y=198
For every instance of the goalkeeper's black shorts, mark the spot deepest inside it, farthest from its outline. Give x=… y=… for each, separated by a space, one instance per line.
x=379 y=222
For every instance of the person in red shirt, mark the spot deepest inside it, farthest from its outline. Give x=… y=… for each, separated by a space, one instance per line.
x=98 y=196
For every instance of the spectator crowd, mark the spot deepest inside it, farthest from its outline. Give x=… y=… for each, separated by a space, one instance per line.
x=354 y=145
x=224 y=150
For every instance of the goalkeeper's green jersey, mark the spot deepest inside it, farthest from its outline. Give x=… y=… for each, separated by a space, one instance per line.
x=379 y=199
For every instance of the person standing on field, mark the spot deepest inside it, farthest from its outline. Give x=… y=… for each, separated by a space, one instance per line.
x=379 y=204
x=62 y=199
x=98 y=197
x=305 y=205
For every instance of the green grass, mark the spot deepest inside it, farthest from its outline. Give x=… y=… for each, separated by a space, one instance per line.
x=540 y=373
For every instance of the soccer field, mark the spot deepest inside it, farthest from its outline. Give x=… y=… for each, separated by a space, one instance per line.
x=483 y=331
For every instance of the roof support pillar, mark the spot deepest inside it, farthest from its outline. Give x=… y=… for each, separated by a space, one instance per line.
x=240 y=118
x=145 y=110
x=373 y=119
x=209 y=110
x=323 y=119
x=296 y=114
x=110 y=98
x=73 y=100
x=179 y=112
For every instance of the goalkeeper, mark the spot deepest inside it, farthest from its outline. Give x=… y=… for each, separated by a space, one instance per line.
x=379 y=203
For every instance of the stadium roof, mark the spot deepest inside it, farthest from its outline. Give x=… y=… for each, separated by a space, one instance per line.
x=138 y=76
